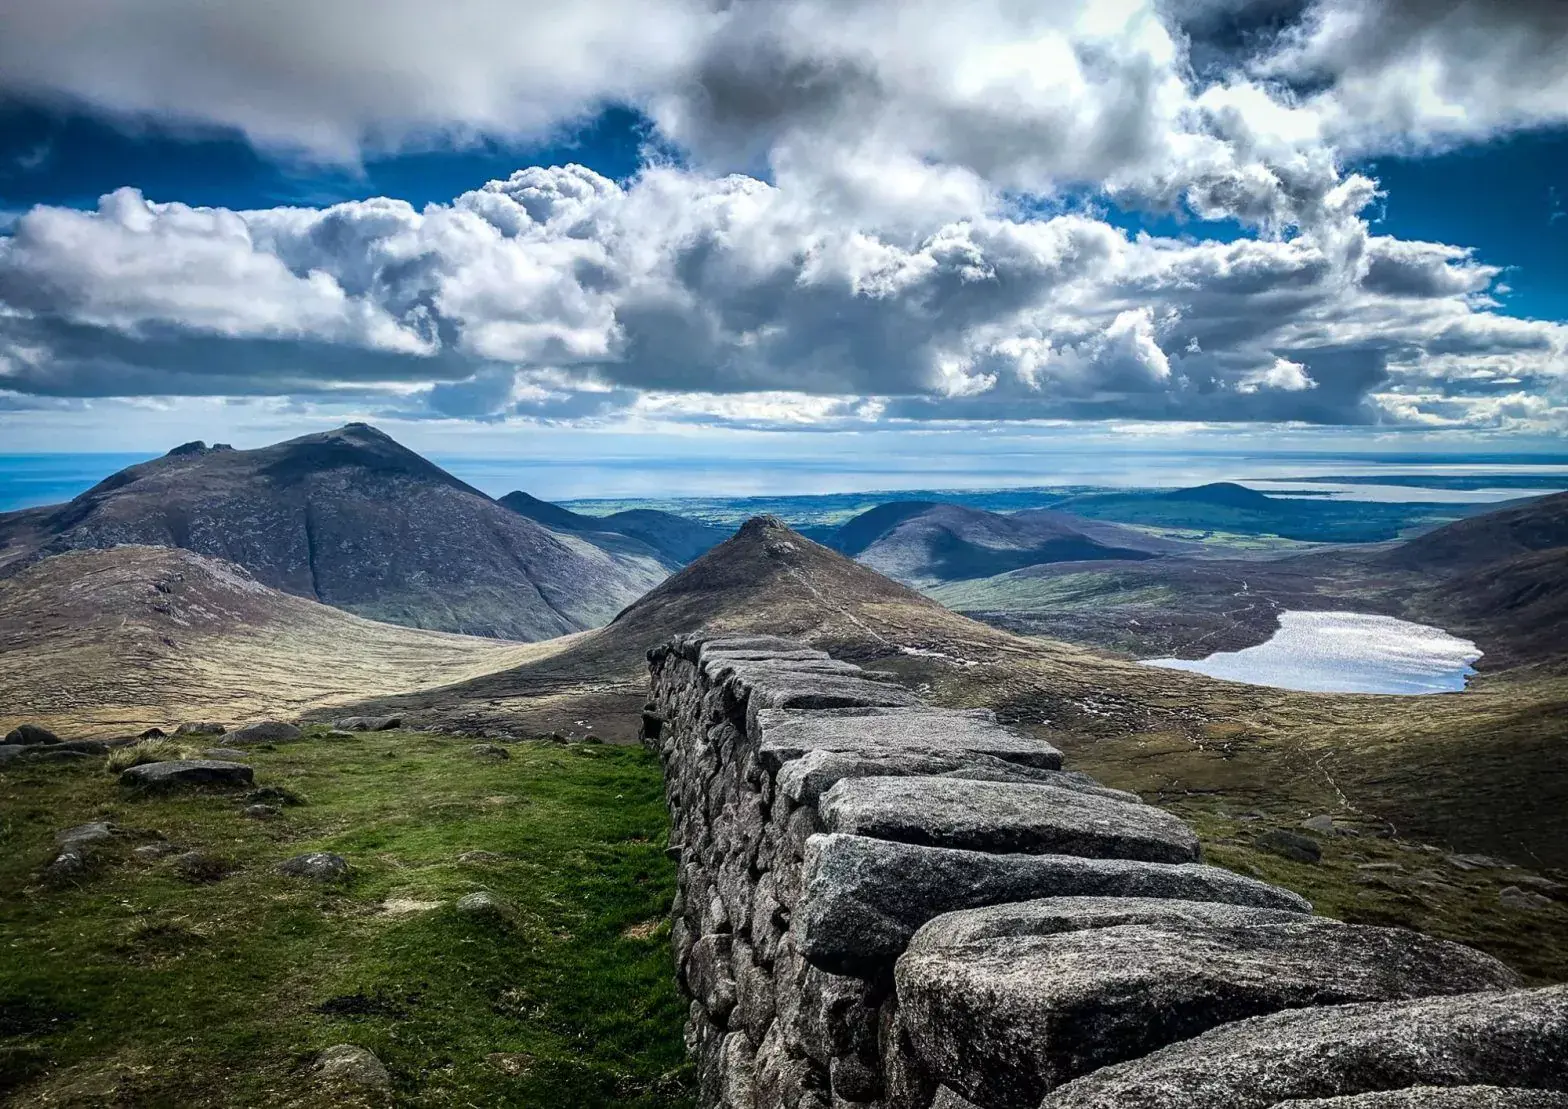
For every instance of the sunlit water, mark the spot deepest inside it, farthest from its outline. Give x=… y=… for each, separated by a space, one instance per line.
x=1345 y=652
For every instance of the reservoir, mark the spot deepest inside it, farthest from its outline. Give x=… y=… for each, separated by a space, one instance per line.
x=1345 y=652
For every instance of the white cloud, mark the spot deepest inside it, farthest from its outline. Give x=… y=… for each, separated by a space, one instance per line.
x=872 y=222
x=1414 y=74
x=562 y=295
x=867 y=105
x=1285 y=375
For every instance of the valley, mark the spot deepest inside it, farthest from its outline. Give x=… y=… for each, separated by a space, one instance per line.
x=1446 y=814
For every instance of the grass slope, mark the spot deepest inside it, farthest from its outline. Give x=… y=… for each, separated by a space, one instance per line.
x=131 y=986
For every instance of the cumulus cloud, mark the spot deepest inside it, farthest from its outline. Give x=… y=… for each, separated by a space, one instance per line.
x=872 y=216
x=1415 y=74
x=877 y=104
x=560 y=294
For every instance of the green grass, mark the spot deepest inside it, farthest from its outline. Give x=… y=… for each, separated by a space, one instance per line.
x=129 y=986
x=1023 y=592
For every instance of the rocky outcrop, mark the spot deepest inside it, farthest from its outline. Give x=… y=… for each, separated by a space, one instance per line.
x=891 y=906
x=186 y=774
x=264 y=731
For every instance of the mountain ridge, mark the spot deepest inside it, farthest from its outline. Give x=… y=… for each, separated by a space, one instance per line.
x=919 y=542
x=674 y=538
x=351 y=518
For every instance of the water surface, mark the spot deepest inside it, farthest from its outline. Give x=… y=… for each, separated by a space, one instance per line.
x=1344 y=652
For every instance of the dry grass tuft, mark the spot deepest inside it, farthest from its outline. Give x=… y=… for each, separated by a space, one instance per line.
x=148 y=750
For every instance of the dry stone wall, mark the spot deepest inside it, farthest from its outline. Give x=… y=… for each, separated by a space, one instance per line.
x=884 y=905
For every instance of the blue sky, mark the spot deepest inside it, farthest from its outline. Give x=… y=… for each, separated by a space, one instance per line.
x=1294 y=222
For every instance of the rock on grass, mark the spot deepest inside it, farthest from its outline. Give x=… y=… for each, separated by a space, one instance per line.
x=348 y=1066
x=367 y=723
x=30 y=734
x=267 y=731
x=1290 y=845
x=319 y=866
x=483 y=905
x=186 y=774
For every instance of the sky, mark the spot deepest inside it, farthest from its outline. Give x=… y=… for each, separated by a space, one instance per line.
x=786 y=228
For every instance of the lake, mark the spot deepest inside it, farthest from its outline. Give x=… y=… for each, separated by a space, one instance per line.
x=1344 y=652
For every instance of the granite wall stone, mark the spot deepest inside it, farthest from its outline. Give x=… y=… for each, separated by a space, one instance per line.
x=885 y=905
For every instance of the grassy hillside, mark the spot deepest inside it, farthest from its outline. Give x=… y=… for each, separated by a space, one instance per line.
x=130 y=985
x=106 y=643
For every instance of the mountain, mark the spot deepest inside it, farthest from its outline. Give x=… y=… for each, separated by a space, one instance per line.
x=926 y=542
x=550 y=515
x=769 y=579
x=1501 y=578
x=108 y=642
x=1537 y=525
x=1230 y=509
x=675 y=539
x=1224 y=494
x=350 y=518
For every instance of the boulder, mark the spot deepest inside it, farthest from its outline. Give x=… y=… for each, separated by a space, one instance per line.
x=39 y=752
x=1026 y=818
x=1047 y=916
x=489 y=751
x=73 y=845
x=1512 y=897
x=1006 y=1020
x=1512 y=1038
x=200 y=728
x=186 y=773
x=30 y=735
x=784 y=735
x=367 y=723
x=864 y=898
x=1290 y=845
x=86 y=833
x=353 y=1066
x=1433 y=1097
x=319 y=866
x=267 y=731
x=485 y=905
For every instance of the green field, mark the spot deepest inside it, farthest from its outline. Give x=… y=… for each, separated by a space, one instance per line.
x=132 y=985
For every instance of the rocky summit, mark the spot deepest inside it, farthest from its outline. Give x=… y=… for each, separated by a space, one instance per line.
x=350 y=518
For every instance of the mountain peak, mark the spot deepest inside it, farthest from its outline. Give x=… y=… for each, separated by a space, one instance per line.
x=1224 y=493
x=765 y=525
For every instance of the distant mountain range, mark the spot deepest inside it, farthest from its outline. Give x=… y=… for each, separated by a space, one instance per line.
x=675 y=539
x=922 y=542
x=1226 y=507
x=353 y=519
